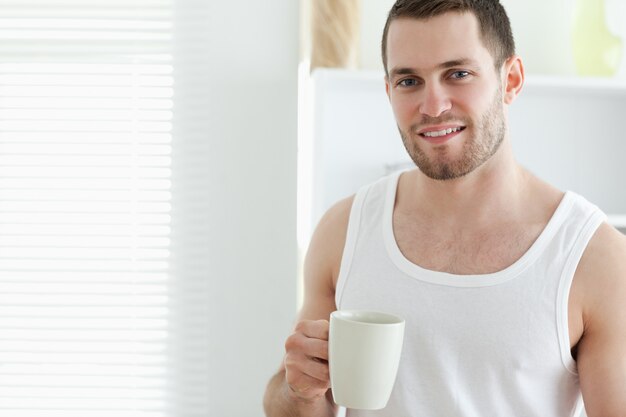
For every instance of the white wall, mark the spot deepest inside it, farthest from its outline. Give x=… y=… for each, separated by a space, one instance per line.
x=542 y=34
x=542 y=30
x=252 y=119
x=373 y=17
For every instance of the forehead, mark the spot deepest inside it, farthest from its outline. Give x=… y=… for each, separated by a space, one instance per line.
x=425 y=43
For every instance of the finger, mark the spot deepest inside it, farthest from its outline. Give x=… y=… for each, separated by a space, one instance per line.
x=318 y=349
x=303 y=383
x=317 y=329
x=309 y=387
x=306 y=391
x=317 y=369
x=299 y=366
x=312 y=348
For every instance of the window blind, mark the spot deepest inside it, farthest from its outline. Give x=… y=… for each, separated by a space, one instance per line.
x=90 y=301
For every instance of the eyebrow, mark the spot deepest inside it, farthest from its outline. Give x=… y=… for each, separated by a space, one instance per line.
x=444 y=65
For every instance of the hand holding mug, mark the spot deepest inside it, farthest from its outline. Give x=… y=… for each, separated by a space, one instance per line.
x=306 y=360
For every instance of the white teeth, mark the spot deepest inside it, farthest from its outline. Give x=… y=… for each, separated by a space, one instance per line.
x=441 y=132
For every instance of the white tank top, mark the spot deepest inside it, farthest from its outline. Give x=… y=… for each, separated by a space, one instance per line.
x=475 y=345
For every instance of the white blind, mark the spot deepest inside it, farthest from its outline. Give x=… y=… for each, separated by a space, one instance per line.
x=90 y=310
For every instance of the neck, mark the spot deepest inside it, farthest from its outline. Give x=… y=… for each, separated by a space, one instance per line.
x=492 y=192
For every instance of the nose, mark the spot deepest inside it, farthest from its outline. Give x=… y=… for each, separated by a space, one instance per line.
x=435 y=101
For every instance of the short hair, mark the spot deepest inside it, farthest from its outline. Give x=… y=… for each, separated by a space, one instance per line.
x=495 y=27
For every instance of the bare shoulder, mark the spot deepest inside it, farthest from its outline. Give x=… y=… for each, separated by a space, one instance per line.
x=323 y=259
x=601 y=272
x=326 y=246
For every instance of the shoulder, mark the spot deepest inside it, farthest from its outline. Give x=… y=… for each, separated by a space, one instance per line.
x=601 y=276
x=326 y=246
x=604 y=259
x=337 y=214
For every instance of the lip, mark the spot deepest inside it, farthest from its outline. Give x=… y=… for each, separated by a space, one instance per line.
x=440 y=139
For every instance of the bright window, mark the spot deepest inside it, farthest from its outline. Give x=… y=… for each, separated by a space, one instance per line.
x=91 y=297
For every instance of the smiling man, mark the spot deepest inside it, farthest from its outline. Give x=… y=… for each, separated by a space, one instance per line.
x=513 y=291
x=465 y=77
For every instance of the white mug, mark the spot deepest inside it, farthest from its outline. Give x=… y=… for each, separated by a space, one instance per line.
x=364 y=350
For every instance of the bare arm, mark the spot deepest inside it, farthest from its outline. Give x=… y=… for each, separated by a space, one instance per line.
x=301 y=387
x=602 y=348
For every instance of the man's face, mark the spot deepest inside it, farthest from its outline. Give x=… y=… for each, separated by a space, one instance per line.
x=445 y=93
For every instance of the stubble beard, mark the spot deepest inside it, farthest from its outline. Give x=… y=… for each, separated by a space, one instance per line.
x=483 y=142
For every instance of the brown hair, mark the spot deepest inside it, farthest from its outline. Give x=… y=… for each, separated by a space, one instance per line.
x=495 y=27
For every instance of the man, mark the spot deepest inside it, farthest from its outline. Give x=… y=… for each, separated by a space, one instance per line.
x=513 y=291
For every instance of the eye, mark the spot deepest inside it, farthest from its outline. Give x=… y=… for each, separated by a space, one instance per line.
x=459 y=75
x=408 y=82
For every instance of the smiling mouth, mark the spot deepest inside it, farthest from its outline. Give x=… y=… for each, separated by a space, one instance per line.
x=443 y=132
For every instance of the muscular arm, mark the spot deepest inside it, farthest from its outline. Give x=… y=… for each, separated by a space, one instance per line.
x=301 y=387
x=602 y=348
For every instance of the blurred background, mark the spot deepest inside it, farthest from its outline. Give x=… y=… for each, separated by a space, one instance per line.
x=163 y=163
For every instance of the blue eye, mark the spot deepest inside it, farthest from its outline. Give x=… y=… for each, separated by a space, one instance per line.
x=408 y=82
x=459 y=74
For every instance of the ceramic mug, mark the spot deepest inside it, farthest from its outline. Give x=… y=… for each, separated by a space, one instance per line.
x=364 y=350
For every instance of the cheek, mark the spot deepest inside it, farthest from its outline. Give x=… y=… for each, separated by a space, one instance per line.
x=472 y=105
x=471 y=100
x=405 y=109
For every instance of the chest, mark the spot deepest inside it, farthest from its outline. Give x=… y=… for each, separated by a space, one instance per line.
x=461 y=251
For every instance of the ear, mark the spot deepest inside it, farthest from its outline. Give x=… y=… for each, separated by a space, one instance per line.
x=513 y=78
